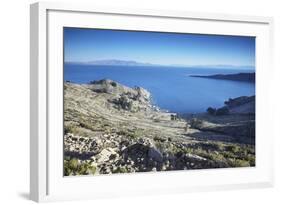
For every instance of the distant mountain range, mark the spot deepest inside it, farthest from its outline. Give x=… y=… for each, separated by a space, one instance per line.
x=114 y=62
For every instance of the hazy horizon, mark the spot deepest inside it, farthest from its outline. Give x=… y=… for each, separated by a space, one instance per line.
x=219 y=66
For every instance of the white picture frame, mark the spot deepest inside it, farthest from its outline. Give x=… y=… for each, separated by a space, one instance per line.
x=46 y=49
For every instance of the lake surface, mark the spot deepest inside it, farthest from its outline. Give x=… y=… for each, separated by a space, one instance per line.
x=171 y=87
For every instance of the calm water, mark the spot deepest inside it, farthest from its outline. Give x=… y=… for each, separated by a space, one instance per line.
x=171 y=87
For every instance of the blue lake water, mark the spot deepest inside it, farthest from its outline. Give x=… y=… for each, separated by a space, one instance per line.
x=171 y=87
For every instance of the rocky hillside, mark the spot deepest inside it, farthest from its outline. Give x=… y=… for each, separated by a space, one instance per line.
x=242 y=105
x=111 y=128
x=235 y=119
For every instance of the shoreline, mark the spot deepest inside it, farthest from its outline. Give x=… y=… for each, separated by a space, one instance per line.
x=158 y=107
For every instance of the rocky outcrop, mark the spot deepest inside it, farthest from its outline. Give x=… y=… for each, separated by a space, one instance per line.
x=108 y=86
x=242 y=105
x=112 y=87
x=130 y=99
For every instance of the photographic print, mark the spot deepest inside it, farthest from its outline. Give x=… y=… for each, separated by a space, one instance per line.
x=142 y=101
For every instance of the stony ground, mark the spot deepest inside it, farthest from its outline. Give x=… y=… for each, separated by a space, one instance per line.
x=111 y=128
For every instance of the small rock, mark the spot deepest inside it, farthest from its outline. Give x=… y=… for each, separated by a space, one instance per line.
x=105 y=154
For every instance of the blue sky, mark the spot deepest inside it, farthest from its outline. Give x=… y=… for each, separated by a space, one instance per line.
x=83 y=45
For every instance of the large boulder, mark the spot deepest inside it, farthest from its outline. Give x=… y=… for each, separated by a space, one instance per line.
x=144 y=155
x=155 y=154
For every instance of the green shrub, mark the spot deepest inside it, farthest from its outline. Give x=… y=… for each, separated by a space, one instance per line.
x=216 y=157
x=114 y=84
x=160 y=139
x=251 y=159
x=120 y=170
x=232 y=148
x=74 y=167
x=175 y=117
x=239 y=163
x=229 y=155
x=71 y=128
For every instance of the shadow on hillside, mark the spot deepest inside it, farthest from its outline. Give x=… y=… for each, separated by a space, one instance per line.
x=81 y=156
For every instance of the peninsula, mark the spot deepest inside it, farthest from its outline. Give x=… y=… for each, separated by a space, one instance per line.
x=244 y=77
